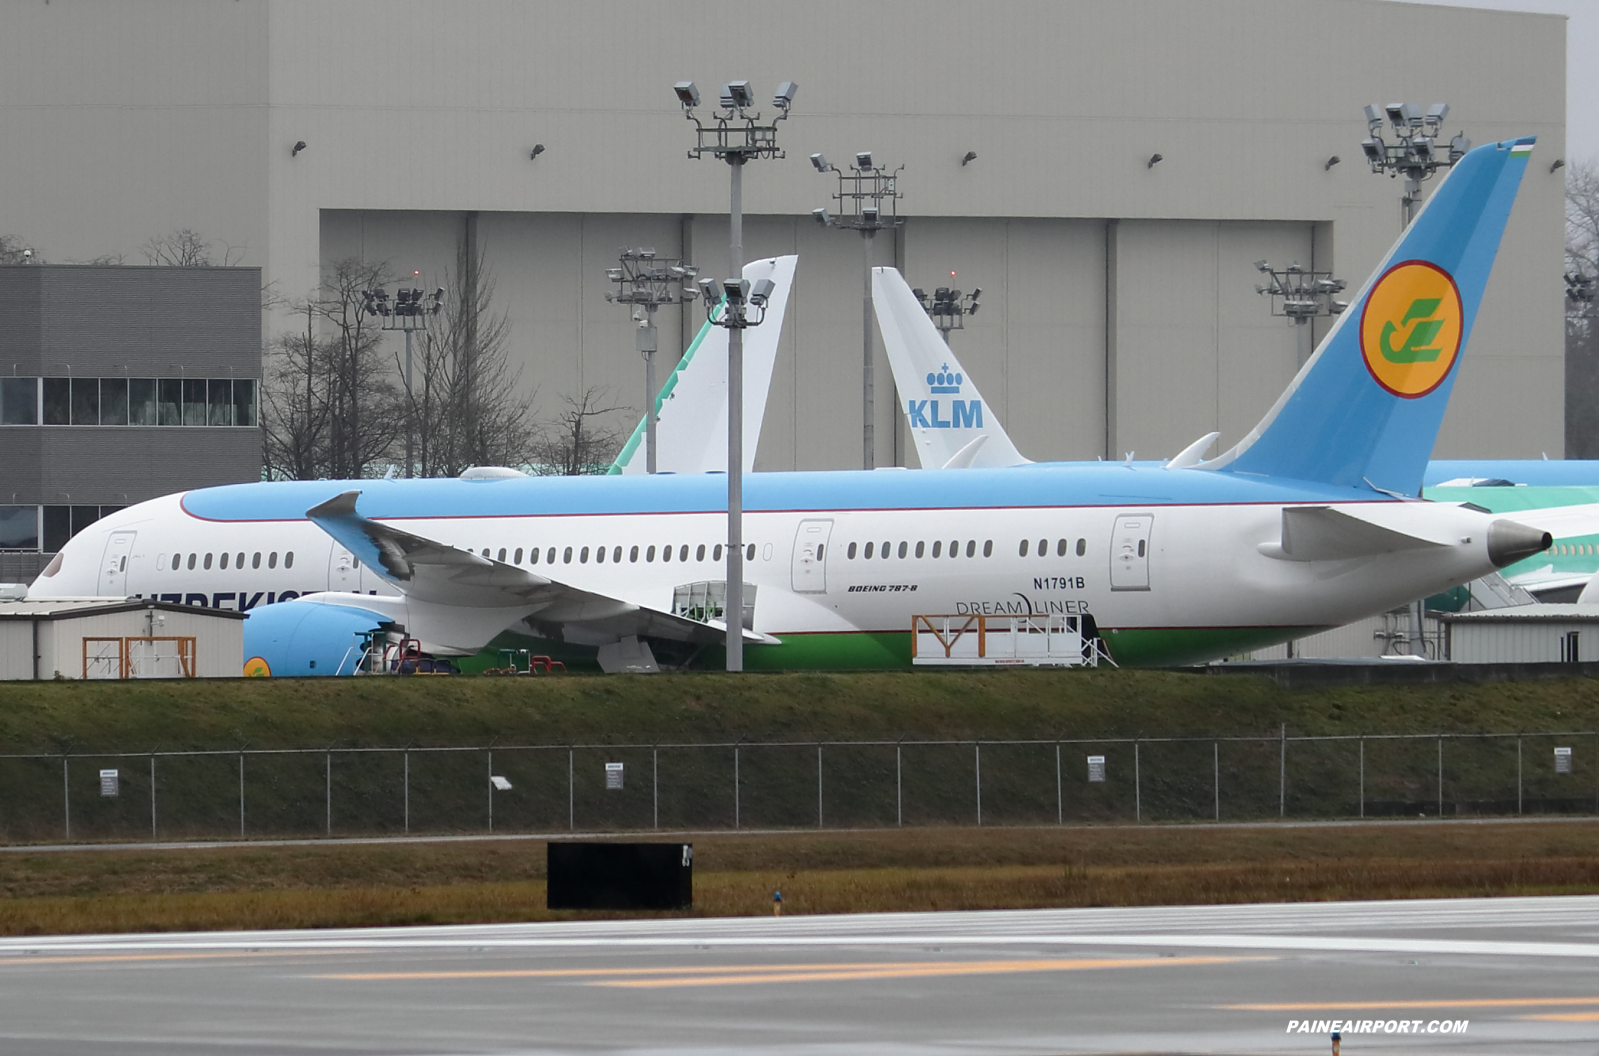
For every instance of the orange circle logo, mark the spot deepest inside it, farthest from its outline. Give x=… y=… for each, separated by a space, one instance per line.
x=257 y=667
x=1410 y=328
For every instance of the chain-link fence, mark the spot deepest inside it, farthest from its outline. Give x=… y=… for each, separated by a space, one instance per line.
x=857 y=784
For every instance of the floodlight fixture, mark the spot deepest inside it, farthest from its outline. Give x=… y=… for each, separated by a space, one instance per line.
x=1261 y=265
x=1436 y=114
x=1334 y=160
x=614 y=274
x=708 y=287
x=1416 y=152
x=1459 y=147
x=820 y=162
x=785 y=95
x=538 y=148
x=1558 y=163
x=971 y=155
x=1300 y=295
x=737 y=95
x=822 y=216
x=295 y=150
x=1373 y=118
x=687 y=94
x=1396 y=115
x=863 y=159
x=1154 y=159
x=1376 y=157
x=870 y=214
x=761 y=291
x=1421 y=149
x=737 y=290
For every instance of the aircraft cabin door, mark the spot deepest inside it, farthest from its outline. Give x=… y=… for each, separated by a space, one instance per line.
x=114 y=569
x=1129 y=551
x=810 y=556
x=344 y=571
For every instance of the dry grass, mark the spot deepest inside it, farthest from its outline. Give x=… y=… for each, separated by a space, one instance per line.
x=337 y=885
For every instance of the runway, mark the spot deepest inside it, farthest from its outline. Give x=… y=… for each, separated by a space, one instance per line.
x=1474 y=976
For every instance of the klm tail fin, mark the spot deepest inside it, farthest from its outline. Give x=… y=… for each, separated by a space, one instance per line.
x=949 y=422
x=691 y=409
x=1364 y=410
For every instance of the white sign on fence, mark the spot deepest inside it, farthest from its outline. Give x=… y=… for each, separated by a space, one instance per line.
x=1562 y=760
x=613 y=776
x=1096 y=768
x=108 y=782
x=501 y=784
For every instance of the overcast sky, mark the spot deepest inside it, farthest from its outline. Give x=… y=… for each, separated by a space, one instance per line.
x=1582 y=64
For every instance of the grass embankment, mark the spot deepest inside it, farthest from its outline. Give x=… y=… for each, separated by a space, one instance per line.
x=84 y=717
x=929 y=869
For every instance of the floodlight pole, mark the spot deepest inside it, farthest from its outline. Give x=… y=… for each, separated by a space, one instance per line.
x=1415 y=154
x=647 y=281
x=407 y=313
x=861 y=195
x=735 y=136
x=948 y=308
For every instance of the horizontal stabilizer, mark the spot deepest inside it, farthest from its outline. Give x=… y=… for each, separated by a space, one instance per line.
x=1322 y=533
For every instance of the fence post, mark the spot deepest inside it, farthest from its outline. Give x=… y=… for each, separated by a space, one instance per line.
x=1138 y=788
x=241 y=793
x=979 y=749
x=571 y=794
x=152 y=795
x=491 y=791
x=1060 y=798
x=329 y=803
x=899 y=789
x=655 y=785
x=1362 y=775
x=1215 y=748
x=735 y=787
x=405 y=781
x=1282 y=773
x=66 y=799
x=1518 y=775
x=1440 y=777
x=818 y=786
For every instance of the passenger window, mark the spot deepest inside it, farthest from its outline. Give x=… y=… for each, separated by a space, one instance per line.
x=255 y=561
x=1043 y=548
x=1060 y=548
x=632 y=556
x=239 y=561
x=533 y=556
x=988 y=547
x=666 y=553
x=583 y=556
x=971 y=548
x=920 y=547
x=868 y=551
x=903 y=547
x=820 y=552
x=699 y=552
x=566 y=558
x=1140 y=548
x=616 y=555
x=938 y=547
x=485 y=551
x=272 y=560
x=850 y=553
x=223 y=563
x=518 y=560
x=1021 y=551
x=954 y=548
x=649 y=555
x=887 y=550
x=288 y=559
x=599 y=555
x=192 y=558
x=716 y=554
x=682 y=552
x=549 y=555
x=750 y=552
x=502 y=554
x=1082 y=547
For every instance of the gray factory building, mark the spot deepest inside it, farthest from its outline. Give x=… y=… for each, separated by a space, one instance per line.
x=1119 y=307
x=120 y=384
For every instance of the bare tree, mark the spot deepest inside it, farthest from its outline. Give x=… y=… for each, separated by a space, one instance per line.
x=331 y=407
x=14 y=250
x=468 y=403
x=1582 y=328
x=186 y=248
x=578 y=441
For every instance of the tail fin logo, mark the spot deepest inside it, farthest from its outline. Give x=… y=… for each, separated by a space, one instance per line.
x=1410 y=328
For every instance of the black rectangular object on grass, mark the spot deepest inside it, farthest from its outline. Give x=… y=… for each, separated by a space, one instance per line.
x=620 y=875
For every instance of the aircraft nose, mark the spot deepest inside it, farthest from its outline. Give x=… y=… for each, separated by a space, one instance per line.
x=1509 y=542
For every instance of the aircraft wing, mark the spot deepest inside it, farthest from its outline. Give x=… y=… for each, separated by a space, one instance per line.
x=443 y=583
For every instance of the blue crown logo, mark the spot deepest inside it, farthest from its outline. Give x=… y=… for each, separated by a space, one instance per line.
x=944 y=381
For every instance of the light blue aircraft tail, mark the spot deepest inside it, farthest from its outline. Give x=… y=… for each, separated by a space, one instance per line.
x=1364 y=410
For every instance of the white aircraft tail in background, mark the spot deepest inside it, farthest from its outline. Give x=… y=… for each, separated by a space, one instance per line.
x=948 y=420
x=691 y=428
